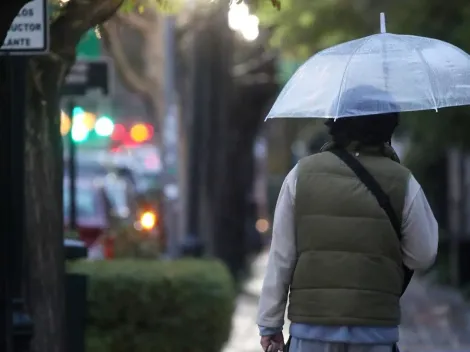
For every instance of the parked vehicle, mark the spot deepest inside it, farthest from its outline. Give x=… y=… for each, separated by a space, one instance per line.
x=108 y=205
x=91 y=212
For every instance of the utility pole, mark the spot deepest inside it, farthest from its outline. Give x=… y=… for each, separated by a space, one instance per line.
x=198 y=116
x=227 y=247
x=170 y=141
x=457 y=210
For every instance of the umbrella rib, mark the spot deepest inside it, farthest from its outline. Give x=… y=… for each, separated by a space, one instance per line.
x=341 y=86
x=434 y=88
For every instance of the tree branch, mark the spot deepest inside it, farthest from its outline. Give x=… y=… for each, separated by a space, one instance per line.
x=251 y=65
x=113 y=44
x=77 y=17
x=255 y=79
x=9 y=9
x=134 y=21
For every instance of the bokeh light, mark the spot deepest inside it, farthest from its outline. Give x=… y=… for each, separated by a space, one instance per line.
x=104 y=126
x=140 y=133
x=65 y=123
x=262 y=225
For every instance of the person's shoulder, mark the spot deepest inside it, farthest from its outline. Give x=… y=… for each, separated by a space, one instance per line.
x=395 y=172
x=392 y=166
x=413 y=186
x=316 y=157
x=401 y=168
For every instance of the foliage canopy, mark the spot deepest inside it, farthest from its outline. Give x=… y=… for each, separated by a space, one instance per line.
x=304 y=27
x=162 y=6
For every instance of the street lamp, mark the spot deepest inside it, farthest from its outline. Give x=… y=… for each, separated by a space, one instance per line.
x=250 y=30
x=240 y=20
x=236 y=15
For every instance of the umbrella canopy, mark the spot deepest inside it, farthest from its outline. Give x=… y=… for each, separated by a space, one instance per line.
x=379 y=74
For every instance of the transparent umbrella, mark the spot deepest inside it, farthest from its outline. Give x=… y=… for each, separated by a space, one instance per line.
x=378 y=74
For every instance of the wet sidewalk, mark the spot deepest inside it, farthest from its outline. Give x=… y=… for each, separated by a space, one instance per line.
x=434 y=318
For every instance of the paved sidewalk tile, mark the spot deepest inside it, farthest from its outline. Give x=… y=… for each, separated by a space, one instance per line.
x=434 y=318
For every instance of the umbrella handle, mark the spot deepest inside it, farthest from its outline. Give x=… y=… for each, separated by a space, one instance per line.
x=383 y=26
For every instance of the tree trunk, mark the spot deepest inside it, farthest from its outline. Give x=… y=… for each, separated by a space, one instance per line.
x=8 y=9
x=43 y=161
x=231 y=234
x=233 y=226
x=213 y=107
x=230 y=116
x=44 y=220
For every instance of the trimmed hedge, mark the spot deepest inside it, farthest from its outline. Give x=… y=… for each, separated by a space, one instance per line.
x=148 y=306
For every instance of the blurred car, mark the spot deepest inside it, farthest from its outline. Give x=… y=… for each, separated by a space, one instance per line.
x=91 y=211
x=132 y=202
x=106 y=204
x=130 y=180
x=147 y=182
x=140 y=167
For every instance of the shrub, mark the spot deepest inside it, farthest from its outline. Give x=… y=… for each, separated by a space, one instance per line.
x=130 y=243
x=148 y=306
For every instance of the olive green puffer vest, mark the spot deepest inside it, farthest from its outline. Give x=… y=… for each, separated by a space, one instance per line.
x=349 y=265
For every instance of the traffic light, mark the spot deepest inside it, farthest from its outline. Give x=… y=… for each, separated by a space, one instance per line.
x=80 y=124
x=141 y=132
x=77 y=111
x=119 y=133
x=65 y=123
x=79 y=132
x=136 y=134
x=84 y=124
x=104 y=126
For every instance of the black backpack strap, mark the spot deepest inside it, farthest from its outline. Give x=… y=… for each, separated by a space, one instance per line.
x=382 y=198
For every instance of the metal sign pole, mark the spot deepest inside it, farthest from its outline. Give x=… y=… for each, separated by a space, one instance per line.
x=17 y=326
x=72 y=170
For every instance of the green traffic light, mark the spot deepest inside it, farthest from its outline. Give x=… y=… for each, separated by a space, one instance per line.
x=79 y=133
x=77 y=111
x=104 y=126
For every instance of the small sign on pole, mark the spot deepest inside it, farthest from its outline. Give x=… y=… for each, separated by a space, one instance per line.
x=89 y=75
x=29 y=31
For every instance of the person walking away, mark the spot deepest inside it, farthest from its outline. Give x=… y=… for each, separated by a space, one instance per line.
x=335 y=249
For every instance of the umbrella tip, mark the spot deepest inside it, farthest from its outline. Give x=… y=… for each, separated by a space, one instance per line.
x=383 y=27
